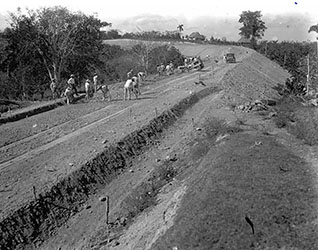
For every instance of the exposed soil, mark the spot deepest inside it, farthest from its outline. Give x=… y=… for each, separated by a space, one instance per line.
x=217 y=178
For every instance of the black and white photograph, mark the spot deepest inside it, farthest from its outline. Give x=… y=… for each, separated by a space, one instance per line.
x=159 y=125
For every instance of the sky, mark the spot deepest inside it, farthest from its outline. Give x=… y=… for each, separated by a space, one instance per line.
x=128 y=13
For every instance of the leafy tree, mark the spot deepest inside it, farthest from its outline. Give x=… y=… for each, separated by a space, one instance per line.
x=253 y=26
x=51 y=43
x=313 y=28
x=21 y=59
x=164 y=54
x=57 y=35
x=154 y=35
x=112 y=34
x=113 y=56
x=142 y=51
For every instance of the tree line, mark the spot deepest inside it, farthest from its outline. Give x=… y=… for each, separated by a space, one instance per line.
x=52 y=43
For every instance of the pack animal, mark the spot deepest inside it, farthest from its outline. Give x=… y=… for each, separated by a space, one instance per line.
x=105 y=90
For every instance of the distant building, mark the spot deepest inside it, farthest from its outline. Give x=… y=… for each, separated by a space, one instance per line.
x=245 y=42
x=196 y=36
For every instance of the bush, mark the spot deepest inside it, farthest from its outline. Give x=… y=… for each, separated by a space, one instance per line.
x=299 y=120
x=145 y=195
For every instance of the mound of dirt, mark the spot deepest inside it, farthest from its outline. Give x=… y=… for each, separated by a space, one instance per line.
x=253 y=78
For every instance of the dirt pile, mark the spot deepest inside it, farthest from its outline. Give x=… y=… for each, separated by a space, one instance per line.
x=253 y=78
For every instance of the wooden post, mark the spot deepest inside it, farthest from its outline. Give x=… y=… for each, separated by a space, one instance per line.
x=107 y=219
x=34 y=193
x=308 y=76
x=107 y=210
x=156 y=111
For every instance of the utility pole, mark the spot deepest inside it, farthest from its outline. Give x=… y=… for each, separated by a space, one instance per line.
x=266 y=49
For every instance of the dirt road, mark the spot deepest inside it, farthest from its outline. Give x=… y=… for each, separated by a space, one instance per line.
x=39 y=151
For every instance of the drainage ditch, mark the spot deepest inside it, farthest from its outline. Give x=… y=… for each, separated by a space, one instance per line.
x=37 y=220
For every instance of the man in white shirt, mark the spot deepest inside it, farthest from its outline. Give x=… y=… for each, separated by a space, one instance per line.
x=71 y=83
x=95 y=81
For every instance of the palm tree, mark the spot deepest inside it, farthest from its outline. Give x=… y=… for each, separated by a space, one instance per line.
x=180 y=27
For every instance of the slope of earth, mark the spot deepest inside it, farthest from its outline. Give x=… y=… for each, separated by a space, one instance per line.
x=57 y=143
x=244 y=184
x=239 y=181
x=218 y=179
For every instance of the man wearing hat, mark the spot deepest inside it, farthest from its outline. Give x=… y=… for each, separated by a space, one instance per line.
x=71 y=83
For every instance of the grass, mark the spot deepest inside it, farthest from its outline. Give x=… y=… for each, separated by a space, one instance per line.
x=214 y=127
x=266 y=183
x=145 y=195
x=300 y=120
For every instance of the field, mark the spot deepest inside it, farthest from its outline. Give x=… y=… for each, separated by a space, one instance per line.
x=183 y=166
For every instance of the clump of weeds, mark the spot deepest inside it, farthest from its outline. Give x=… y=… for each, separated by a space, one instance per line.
x=145 y=195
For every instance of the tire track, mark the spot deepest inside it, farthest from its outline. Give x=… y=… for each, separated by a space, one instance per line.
x=40 y=149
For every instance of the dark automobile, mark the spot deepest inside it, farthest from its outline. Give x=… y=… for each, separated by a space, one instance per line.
x=230 y=58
